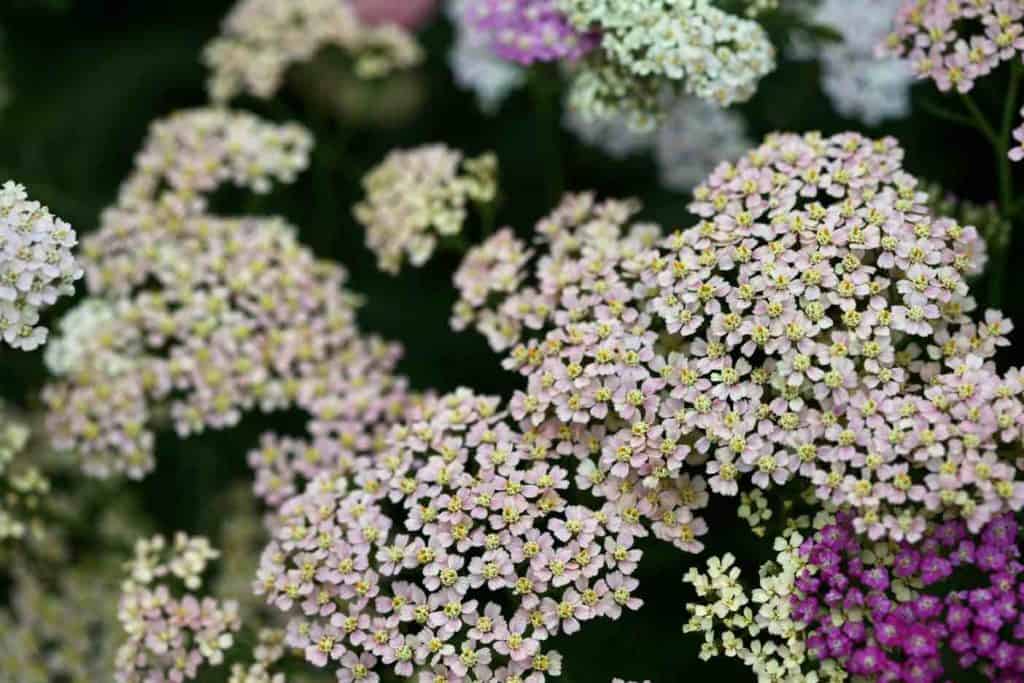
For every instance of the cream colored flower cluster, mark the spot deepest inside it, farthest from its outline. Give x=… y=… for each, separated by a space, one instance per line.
x=756 y=626
x=417 y=197
x=261 y=39
x=645 y=45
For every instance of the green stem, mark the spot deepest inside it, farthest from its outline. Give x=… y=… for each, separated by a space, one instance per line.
x=1005 y=133
x=947 y=115
x=1001 y=146
x=545 y=99
x=980 y=122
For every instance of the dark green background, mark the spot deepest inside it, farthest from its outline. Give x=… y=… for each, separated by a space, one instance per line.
x=88 y=78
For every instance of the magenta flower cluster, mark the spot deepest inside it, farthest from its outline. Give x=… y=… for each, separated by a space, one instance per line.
x=528 y=31
x=451 y=554
x=889 y=616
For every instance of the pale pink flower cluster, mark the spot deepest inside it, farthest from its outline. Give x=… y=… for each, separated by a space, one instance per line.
x=169 y=636
x=813 y=324
x=261 y=39
x=410 y=14
x=416 y=197
x=956 y=42
x=206 y=317
x=191 y=153
x=452 y=555
x=493 y=269
x=36 y=266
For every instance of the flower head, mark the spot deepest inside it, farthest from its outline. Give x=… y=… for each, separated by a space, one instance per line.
x=36 y=266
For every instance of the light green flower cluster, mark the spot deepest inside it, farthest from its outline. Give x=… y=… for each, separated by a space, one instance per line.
x=756 y=626
x=416 y=197
x=687 y=45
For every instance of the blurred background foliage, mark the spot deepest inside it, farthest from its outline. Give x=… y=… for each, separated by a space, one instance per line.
x=84 y=79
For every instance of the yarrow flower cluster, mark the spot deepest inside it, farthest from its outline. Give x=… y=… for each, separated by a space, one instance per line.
x=475 y=66
x=268 y=652
x=66 y=630
x=624 y=56
x=410 y=14
x=261 y=39
x=452 y=554
x=491 y=270
x=888 y=612
x=757 y=626
x=21 y=486
x=956 y=42
x=168 y=637
x=694 y=137
x=813 y=324
x=860 y=83
x=36 y=266
x=687 y=45
x=528 y=31
x=202 y=317
x=416 y=197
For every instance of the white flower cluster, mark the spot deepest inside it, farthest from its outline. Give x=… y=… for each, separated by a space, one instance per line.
x=475 y=65
x=859 y=84
x=36 y=266
x=262 y=38
x=705 y=51
x=414 y=197
x=756 y=627
x=70 y=346
x=693 y=139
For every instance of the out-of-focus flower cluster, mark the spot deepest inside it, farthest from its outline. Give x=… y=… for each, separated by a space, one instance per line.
x=261 y=39
x=410 y=14
x=62 y=632
x=22 y=486
x=416 y=197
x=813 y=324
x=451 y=553
x=36 y=266
x=528 y=31
x=201 y=317
x=688 y=44
x=991 y=225
x=491 y=270
x=956 y=42
x=623 y=55
x=474 y=64
x=860 y=83
x=169 y=636
x=694 y=137
x=873 y=610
